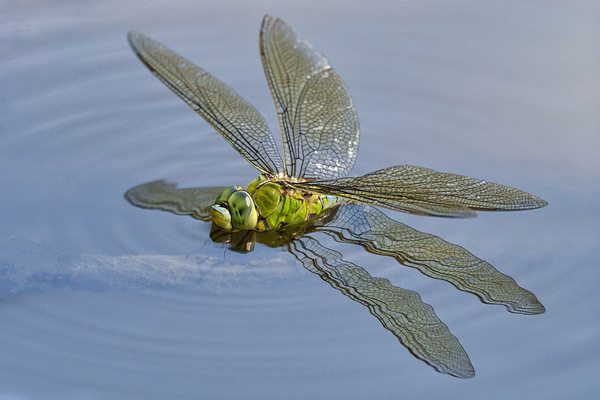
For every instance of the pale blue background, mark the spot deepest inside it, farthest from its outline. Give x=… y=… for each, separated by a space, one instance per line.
x=104 y=300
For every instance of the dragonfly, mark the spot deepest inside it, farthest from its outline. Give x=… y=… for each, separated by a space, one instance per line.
x=308 y=189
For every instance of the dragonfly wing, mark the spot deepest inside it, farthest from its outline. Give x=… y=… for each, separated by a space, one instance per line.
x=366 y=226
x=472 y=192
x=319 y=125
x=423 y=190
x=399 y=310
x=232 y=116
x=160 y=195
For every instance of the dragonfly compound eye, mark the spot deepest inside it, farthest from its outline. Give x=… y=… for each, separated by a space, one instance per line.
x=243 y=212
x=226 y=194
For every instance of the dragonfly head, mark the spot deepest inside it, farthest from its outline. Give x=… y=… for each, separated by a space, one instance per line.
x=234 y=210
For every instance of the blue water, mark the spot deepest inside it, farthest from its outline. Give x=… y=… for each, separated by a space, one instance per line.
x=104 y=300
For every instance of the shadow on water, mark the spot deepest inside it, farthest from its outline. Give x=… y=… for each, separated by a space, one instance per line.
x=399 y=310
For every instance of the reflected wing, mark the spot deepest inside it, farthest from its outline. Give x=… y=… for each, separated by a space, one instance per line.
x=233 y=117
x=425 y=191
x=319 y=126
x=365 y=225
x=400 y=311
x=160 y=195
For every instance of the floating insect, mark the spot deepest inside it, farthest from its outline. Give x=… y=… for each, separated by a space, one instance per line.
x=308 y=189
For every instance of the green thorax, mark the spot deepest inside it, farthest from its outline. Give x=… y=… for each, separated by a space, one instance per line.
x=280 y=205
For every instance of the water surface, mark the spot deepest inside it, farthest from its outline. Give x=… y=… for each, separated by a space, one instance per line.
x=104 y=300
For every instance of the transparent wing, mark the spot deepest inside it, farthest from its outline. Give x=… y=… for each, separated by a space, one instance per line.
x=425 y=191
x=366 y=226
x=319 y=126
x=160 y=195
x=232 y=116
x=399 y=310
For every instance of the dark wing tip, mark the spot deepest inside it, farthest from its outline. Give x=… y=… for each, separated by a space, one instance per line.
x=267 y=18
x=266 y=24
x=133 y=38
x=539 y=203
x=527 y=202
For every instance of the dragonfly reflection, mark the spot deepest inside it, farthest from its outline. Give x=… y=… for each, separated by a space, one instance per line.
x=307 y=190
